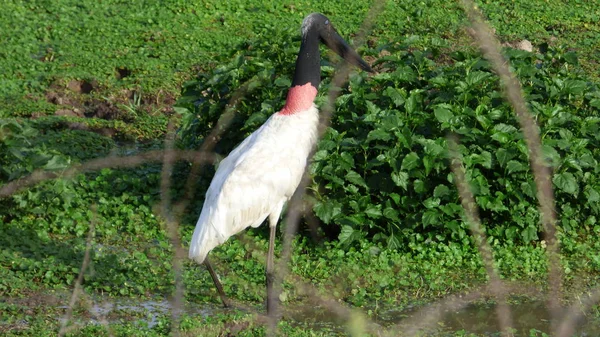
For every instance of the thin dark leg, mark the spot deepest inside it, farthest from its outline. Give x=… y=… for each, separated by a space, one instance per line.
x=217 y=282
x=270 y=276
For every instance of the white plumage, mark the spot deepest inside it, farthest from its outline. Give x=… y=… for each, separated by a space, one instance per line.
x=255 y=180
x=262 y=173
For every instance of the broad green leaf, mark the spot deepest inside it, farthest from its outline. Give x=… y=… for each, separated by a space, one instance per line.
x=395 y=95
x=566 y=182
x=572 y=163
x=181 y=111
x=431 y=202
x=352 y=189
x=484 y=121
x=575 y=87
x=419 y=186
x=427 y=164
x=372 y=108
x=320 y=155
x=411 y=103
x=390 y=123
x=378 y=134
x=530 y=233
x=528 y=188
x=550 y=155
x=347 y=235
x=565 y=134
x=56 y=163
x=501 y=127
x=429 y=218
x=346 y=161
x=451 y=209
x=477 y=76
x=355 y=178
x=592 y=194
x=410 y=161
x=503 y=156
x=441 y=191
x=405 y=74
x=484 y=159
x=395 y=196
x=442 y=114
x=326 y=211
x=433 y=147
x=400 y=179
x=501 y=137
x=571 y=57
x=328 y=144
x=373 y=211
x=283 y=82
x=439 y=81
x=515 y=166
x=391 y=214
x=496 y=114
x=393 y=242
x=587 y=160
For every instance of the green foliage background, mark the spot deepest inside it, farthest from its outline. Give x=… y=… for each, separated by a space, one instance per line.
x=381 y=170
x=381 y=184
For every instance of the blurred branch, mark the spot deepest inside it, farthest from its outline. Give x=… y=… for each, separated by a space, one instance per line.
x=100 y=163
x=467 y=199
x=295 y=204
x=542 y=174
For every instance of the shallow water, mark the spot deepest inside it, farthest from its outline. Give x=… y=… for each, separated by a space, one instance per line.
x=477 y=318
x=151 y=309
x=482 y=319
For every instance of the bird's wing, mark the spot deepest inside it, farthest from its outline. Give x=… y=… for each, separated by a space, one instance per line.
x=255 y=180
x=251 y=183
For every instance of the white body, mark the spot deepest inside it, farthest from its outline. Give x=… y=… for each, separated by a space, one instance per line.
x=255 y=180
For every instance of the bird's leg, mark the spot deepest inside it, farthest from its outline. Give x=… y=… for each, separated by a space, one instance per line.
x=270 y=276
x=215 y=278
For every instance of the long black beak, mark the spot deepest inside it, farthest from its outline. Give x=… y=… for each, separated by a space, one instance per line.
x=335 y=42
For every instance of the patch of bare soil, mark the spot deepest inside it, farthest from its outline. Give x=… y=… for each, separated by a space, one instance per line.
x=83 y=87
x=122 y=72
x=103 y=109
x=87 y=99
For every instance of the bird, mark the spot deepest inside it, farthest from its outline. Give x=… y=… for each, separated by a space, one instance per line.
x=261 y=174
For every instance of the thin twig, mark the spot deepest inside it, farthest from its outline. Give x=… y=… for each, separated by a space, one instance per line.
x=542 y=174
x=99 y=163
x=172 y=229
x=84 y=264
x=576 y=312
x=496 y=286
x=295 y=205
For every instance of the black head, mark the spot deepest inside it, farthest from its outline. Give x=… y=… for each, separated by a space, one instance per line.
x=317 y=24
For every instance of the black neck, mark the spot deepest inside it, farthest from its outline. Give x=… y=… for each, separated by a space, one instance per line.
x=308 y=63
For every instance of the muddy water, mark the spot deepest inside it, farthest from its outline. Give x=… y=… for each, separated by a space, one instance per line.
x=480 y=319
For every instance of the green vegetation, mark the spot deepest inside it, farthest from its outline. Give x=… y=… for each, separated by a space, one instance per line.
x=381 y=171
x=90 y=57
x=87 y=79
